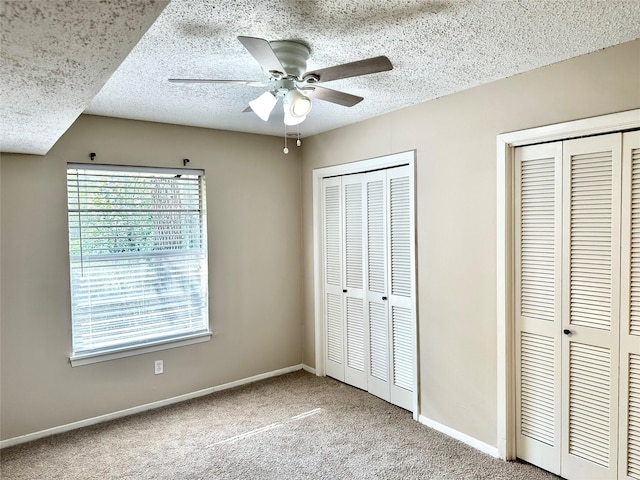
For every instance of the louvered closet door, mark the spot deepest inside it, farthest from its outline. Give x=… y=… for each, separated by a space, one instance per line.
x=333 y=271
x=370 y=282
x=400 y=282
x=376 y=284
x=356 y=346
x=538 y=210
x=629 y=411
x=591 y=278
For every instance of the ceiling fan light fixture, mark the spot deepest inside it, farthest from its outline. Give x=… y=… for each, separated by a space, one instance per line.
x=289 y=119
x=299 y=104
x=263 y=105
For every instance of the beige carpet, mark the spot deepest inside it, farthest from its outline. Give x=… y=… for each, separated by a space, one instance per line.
x=296 y=426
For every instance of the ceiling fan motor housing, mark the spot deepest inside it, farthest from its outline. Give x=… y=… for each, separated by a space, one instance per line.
x=292 y=55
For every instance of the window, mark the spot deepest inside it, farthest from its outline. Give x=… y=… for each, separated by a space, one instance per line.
x=138 y=259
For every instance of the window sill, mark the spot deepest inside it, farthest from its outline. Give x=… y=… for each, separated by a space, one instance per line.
x=88 y=358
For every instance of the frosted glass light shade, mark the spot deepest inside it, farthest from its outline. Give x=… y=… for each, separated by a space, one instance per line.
x=263 y=105
x=299 y=105
x=290 y=119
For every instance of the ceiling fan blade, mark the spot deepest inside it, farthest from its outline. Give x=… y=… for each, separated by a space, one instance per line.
x=251 y=83
x=334 y=96
x=263 y=53
x=353 y=69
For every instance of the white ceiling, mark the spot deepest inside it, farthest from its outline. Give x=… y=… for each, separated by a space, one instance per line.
x=57 y=55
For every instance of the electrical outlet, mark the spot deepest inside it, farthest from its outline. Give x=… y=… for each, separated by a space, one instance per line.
x=159 y=365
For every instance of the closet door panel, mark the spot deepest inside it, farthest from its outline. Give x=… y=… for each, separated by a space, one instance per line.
x=369 y=281
x=629 y=422
x=333 y=272
x=591 y=270
x=376 y=285
x=400 y=281
x=354 y=314
x=538 y=213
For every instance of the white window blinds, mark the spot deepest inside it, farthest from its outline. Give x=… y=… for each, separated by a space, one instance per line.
x=138 y=256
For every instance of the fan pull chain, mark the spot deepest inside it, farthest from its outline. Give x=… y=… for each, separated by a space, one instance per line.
x=298 y=142
x=285 y=149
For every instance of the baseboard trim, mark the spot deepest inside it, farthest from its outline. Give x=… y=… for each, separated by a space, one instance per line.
x=463 y=437
x=309 y=369
x=148 y=406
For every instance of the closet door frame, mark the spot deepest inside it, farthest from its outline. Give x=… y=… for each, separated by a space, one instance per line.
x=505 y=267
x=387 y=161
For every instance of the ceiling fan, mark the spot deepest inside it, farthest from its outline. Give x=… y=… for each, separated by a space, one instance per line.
x=285 y=62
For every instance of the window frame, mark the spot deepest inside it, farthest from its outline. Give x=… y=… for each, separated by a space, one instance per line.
x=180 y=340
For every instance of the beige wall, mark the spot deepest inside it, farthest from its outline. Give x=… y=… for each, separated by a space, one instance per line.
x=253 y=203
x=455 y=142
x=256 y=238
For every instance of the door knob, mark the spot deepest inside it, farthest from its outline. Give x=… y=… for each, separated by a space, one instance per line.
x=384 y=298
x=566 y=331
x=344 y=290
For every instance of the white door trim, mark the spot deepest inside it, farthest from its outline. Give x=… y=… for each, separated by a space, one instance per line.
x=387 y=161
x=506 y=143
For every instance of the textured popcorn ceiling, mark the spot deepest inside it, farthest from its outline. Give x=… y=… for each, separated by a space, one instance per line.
x=56 y=55
x=436 y=47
